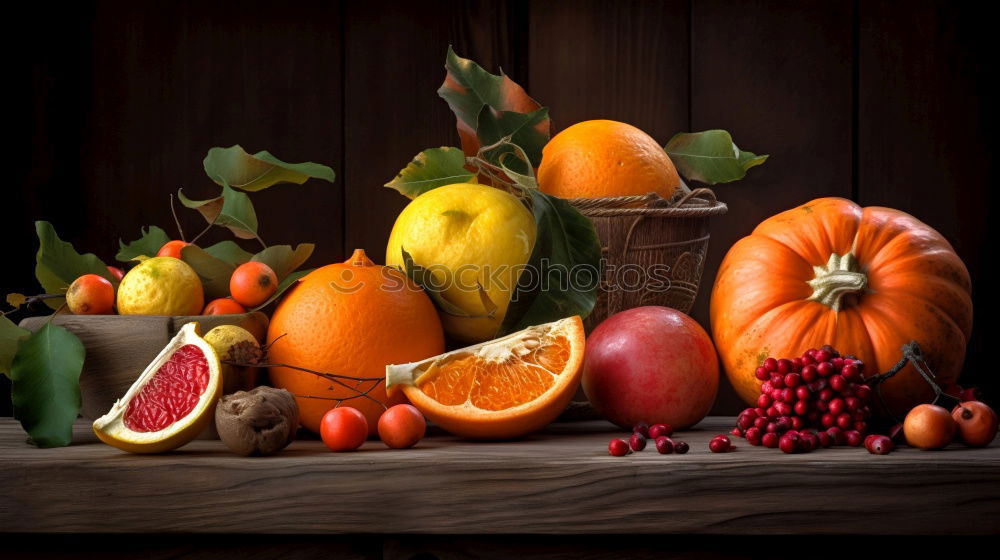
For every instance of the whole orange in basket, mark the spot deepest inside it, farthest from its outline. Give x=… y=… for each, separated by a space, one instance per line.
x=351 y=318
x=596 y=159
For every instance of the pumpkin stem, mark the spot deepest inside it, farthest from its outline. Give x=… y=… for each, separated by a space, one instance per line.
x=840 y=278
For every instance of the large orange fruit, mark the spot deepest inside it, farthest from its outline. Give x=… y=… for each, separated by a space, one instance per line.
x=595 y=159
x=351 y=318
x=499 y=389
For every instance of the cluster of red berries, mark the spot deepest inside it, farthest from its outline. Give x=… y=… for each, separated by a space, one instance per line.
x=819 y=390
x=659 y=433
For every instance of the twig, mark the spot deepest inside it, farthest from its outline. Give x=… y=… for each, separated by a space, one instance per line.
x=177 y=222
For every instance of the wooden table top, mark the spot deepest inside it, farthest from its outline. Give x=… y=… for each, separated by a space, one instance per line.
x=561 y=481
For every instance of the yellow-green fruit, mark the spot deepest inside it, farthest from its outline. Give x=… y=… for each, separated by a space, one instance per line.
x=468 y=236
x=236 y=344
x=161 y=286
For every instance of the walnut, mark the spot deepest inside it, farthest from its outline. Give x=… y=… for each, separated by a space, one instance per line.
x=261 y=421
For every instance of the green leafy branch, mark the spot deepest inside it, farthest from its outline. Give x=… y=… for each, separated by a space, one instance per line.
x=45 y=366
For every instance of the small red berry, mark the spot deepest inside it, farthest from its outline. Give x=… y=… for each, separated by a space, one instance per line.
x=808 y=360
x=637 y=442
x=736 y=432
x=837 y=435
x=720 y=444
x=824 y=439
x=789 y=443
x=837 y=362
x=753 y=436
x=828 y=420
x=837 y=406
x=664 y=445
x=797 y=423
x=777 y=382
x=641 y=428
x=785 y=366
x=844 y=421
x=769 y=440
x=764 y=401
x=853 y=438
x=826 y=395
x=823 y=356
x=808 y=441
x=879 y=445
x=802 y=392
x=863 y=392
x=838 y=383
x=770 y=364
x=657 y=430
x=762 y=373
x=761 y=422
x=680 y=447
x=618 y=448
x=861 y=427
x=802 y=408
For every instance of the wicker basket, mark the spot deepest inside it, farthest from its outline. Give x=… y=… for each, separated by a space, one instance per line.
x=653 y=250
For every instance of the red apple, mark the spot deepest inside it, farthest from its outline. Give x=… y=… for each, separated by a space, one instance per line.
x=651 y=364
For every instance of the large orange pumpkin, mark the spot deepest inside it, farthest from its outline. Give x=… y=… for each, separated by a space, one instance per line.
x=866 y=280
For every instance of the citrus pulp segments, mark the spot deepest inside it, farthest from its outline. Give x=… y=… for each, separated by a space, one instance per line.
x=470 y=421
x=112 y=429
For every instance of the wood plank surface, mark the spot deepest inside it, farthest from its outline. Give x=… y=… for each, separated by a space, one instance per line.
x=561 y=481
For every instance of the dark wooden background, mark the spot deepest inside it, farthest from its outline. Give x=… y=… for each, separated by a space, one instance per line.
x=116 y=103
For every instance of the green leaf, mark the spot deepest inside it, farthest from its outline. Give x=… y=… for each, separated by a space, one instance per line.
x=57 y=264
x=214 y=272
x=230 y=252
x=283 y=259
x=710 y=157
x=153 y=238
x=283 y=286
x=233 y=166
x=430 y=169
x=45 y=385
x=566 y=248
x=232 y=210
x=468 y=88
x=521 y=128
x=10 y=336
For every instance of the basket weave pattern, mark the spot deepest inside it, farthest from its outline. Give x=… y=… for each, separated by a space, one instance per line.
x=639 y=234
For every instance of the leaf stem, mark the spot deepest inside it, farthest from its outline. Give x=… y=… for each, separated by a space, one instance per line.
x=177 y=221
x=203 y=232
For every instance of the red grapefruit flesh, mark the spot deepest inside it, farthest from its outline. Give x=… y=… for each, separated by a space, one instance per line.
x=172 y=393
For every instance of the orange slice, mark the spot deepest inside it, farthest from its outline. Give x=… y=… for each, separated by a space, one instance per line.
x=499 y=389
x=172 y=400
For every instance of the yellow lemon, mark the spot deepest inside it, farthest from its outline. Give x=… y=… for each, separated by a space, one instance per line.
x=238 y=345
x=475 y=241
x=161 y=286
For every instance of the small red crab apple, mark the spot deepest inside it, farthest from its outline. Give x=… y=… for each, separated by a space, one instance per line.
x=343 y=428
x=91 y=294
x=252 y=284
x=401 y=426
